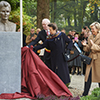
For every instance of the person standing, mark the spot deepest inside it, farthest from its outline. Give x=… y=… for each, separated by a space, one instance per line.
x=42 y=36
x=93 y=70
x=54 y=45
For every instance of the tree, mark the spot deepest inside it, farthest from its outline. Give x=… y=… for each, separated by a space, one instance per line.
x=42 y=11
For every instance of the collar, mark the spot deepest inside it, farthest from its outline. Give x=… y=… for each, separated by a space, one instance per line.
x=53 y=36
x=95 y=38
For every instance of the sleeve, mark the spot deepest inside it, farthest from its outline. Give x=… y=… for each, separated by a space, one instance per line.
x=28 y=39
x=69 y=41
x=35 y=41
x=41 y=46
x=87 y=47
x=79 y=43
x=95 y=47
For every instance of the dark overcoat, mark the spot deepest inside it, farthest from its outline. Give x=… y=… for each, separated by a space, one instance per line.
x=58 y=65
x=77 y=61
x=42 y=36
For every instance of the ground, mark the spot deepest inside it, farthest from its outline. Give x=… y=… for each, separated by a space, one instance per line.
x=77 y=85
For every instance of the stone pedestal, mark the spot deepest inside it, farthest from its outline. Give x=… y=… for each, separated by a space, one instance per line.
x=10 y=62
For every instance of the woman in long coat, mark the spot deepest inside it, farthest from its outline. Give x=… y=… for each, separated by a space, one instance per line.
x=53 y=45
x=93 y=46
x=76 y=63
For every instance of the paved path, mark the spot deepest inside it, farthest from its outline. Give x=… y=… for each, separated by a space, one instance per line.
x=77 y=85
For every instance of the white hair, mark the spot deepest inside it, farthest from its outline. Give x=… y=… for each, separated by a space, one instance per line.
x=46 y=20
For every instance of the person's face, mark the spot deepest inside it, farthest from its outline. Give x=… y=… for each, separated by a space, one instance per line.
x=73 y=33
x=52 y=31
x=32 y=31
x=70 y=32
x=5 y=12
x=94 y=30
x=45 y=25
x=76 y=36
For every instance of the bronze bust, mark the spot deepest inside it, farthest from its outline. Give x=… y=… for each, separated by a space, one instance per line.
x=5 y=24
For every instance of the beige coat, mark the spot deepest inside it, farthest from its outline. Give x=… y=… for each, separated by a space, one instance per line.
x=28 y=40
x=95 y=55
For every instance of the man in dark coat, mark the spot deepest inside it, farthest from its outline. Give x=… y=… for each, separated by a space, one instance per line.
x=42 y=36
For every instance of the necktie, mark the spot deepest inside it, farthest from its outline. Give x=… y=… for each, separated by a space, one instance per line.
x=47 y=32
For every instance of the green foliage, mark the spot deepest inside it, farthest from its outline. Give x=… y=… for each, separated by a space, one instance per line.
x=28 y=23
x=94 y=96
x=30 y=7
x=29 y=15
x=14 y=4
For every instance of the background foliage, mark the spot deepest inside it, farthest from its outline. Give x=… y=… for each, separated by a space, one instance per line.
x=67 y=14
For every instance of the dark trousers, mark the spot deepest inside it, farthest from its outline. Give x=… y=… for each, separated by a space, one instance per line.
x=88 y=84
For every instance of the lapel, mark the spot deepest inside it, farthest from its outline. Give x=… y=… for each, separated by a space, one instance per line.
x=97 y=37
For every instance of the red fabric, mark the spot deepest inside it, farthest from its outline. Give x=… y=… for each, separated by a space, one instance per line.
x=37 y=79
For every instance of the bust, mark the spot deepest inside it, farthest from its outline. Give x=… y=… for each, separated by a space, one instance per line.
x=5 y=24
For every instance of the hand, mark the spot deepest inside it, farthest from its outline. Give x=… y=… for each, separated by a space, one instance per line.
x=33 y=38
x=76 y=40
x=83 y=43
x=91 y=42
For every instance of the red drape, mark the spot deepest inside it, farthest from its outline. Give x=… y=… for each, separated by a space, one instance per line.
x=37 y=79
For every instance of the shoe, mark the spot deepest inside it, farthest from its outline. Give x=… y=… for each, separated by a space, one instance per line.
x=78 y=73
x=73 y=72
x=81 y=96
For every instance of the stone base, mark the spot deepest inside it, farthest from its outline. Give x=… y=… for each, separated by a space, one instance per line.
x=10 y=62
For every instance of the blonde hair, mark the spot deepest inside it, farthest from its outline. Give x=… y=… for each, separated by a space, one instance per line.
x=96 y=24
x=38 y=29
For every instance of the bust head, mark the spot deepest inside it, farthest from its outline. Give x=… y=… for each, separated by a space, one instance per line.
x=5 y=9
x=5 y=24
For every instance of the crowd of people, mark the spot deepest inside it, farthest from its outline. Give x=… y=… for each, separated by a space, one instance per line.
x=88 y=41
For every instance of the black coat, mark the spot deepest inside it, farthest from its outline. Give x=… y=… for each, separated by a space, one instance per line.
x=77 y=61
x=58 y=65
x=42 y=36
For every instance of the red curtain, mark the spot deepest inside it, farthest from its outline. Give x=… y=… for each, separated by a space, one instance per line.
x=37 y=79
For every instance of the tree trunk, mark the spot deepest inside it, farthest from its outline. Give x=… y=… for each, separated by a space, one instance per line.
x=75 y=22
x=96 y=12
x=69 y=24
x=42 y=11
x=55 y=5
x=52 y=12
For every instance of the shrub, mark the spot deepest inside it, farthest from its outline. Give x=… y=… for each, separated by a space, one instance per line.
x=95 y=95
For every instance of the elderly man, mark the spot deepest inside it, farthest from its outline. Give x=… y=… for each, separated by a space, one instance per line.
x=6 y=25
x=42 y=36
